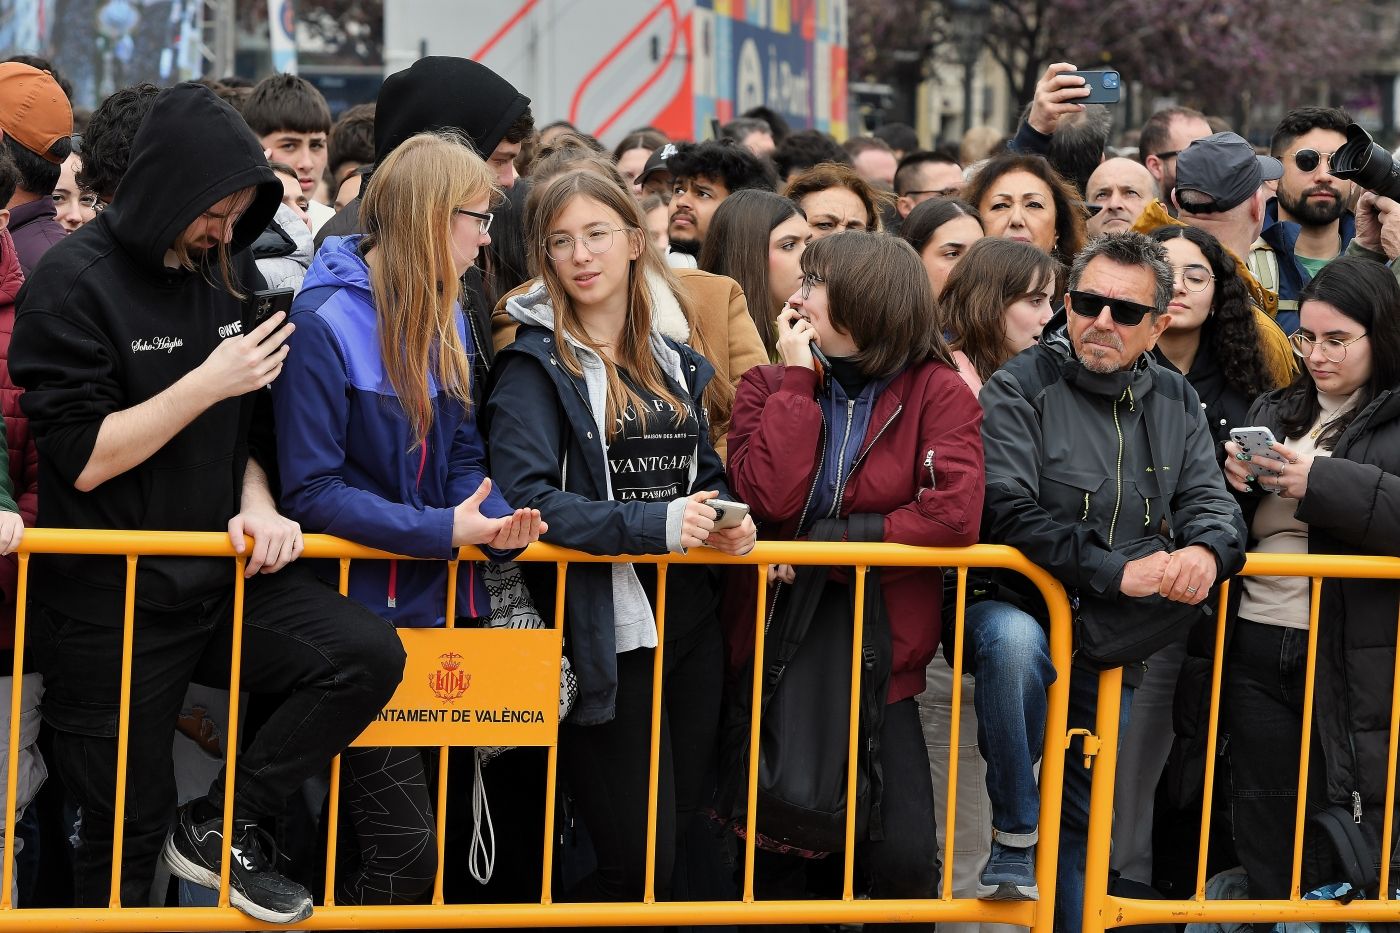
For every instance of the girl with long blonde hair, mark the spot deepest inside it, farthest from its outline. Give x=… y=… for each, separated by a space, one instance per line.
x=600 y=422
x=378 y=443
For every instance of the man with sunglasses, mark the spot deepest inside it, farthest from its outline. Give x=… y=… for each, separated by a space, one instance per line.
x=1102 y=469
x=1309 y=222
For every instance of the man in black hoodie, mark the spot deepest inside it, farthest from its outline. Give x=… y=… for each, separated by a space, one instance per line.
x=145 y=371
x=440 y=92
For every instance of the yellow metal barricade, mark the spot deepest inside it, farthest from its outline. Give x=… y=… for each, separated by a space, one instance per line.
x=447 y=682
x=1102 y=910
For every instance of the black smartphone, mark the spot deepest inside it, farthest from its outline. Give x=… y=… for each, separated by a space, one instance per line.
x=1104 y=86
x=267 y=301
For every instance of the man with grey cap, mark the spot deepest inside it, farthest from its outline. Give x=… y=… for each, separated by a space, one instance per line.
x=1219 y=188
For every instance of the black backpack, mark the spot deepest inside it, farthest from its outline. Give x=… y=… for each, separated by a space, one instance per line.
x=805 y=708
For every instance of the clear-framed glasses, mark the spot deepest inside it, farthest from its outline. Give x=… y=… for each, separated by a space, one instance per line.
x=1194 y=278
x=1333 y=350
x=483 y=219
x=1307 y=160
x=560 y=246
x=809 y=280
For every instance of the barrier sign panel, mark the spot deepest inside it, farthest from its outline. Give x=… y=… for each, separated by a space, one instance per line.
x=473 y=687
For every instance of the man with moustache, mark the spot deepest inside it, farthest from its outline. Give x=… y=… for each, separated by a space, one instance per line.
x=1102 y=469
x=705 y=174
x=1308 y=223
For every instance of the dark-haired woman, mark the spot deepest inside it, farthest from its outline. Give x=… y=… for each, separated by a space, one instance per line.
x=597 y=418
x=941 y=230
x=757 y=239
x=1338 y=492
x=1215 y=338
x=891 y=399
x=1021 y=197
x=996 y=303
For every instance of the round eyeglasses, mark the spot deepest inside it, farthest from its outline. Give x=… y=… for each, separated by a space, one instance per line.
x=1193 y=278
x=1308 y=160
x=809 y=280
x=1333 y=350
x=560 y=246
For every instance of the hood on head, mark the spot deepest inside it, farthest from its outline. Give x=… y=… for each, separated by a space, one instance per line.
x=192 y=151
x=443 y=92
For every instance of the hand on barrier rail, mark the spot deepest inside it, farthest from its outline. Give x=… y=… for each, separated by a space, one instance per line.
x=11 y=530
x=277 y=540
x=248 y=362
x=510 y=533
x=781 y=572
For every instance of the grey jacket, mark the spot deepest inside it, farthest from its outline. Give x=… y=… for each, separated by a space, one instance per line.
x=1082 y=467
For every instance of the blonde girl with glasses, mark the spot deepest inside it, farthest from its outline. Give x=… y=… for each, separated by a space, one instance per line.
x=378 y=443
x=601 y=423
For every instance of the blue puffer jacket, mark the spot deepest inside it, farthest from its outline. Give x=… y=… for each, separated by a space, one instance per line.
x=348 y=460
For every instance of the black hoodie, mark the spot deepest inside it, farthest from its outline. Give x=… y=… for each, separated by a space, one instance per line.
x=104 y=325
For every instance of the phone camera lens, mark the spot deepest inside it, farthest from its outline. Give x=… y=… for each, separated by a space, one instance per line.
x=1110 y=79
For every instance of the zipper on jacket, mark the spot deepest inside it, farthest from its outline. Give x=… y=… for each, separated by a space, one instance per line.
x=845 y=439
x=860 y=457
x=932 y=479
x=393 y=600
x=1118 y=470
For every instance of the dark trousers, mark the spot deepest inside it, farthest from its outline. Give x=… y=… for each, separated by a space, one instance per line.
x=1263 y=709
x=391 y=858
x=904 y=864
x=606 y=766
x=335 y=662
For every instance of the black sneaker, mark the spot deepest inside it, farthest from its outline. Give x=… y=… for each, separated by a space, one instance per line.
x=193 y=851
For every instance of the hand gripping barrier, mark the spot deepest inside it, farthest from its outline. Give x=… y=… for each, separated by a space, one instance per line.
x=133 y=545
x=1103 y=911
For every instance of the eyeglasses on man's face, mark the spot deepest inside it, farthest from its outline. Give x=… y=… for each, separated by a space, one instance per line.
x=1124 y=312
x=1307 y=160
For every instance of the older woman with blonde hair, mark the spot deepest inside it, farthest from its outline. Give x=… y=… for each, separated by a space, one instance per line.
x=378 y=443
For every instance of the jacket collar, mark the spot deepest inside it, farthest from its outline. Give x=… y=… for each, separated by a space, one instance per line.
x=1139 y=378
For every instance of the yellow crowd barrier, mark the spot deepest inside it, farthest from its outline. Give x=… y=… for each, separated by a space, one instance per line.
x=546 y=912
x=1103 y=911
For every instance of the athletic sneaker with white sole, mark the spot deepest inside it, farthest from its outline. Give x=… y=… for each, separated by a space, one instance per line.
x=1009 y=875
x=193 y=851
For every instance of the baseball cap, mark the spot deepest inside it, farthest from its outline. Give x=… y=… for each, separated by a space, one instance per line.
x=657 y=162
x=1223 y=166
x=33 y=109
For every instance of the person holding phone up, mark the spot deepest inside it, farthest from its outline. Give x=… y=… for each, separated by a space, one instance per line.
x=1332 y=486
x=885 y=398
x=599 y=422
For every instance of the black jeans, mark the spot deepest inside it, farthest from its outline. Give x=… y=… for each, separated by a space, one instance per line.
x=335 y=662
x=1263 y=710
x=391 y=858
x=606 y=766
x=904 y=864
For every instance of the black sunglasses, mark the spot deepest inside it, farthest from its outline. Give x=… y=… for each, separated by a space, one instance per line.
x=1127 y=313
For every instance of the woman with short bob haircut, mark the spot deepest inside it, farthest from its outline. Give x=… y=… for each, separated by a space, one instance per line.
x=377 y=442
x=598 y=420
x=835 y=198
x=996 y=303
x=807 y=445
x=1021 y=197
x=757 y=239
x=941 y=230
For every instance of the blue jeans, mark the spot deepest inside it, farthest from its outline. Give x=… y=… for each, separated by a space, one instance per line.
x=1013 y=670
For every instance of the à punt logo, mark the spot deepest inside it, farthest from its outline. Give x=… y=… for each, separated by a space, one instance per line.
x=449 y=682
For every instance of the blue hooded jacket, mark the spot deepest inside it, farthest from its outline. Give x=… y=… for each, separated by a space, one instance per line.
x=347 y=456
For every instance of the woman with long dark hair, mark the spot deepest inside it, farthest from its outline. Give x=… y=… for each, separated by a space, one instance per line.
x=599 y=421
x=1021 y=197
x=941 y=230
x=1214 y=338
x=1335 y=490
x=757 y=239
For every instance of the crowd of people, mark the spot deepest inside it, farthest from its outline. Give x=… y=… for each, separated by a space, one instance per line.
x=431 y=324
